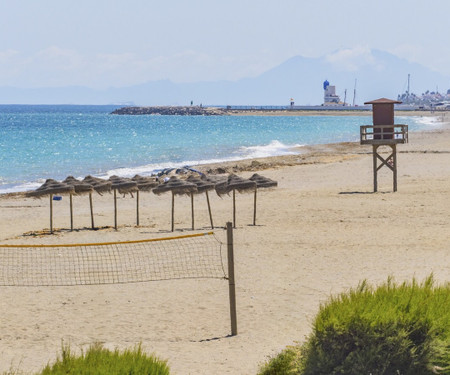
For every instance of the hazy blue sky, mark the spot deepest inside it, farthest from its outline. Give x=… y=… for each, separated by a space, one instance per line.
x=103 y=43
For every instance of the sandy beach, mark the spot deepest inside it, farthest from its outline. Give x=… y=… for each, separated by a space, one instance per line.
x=320 y=232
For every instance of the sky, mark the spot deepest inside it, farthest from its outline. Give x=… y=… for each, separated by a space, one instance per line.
x=101 y=44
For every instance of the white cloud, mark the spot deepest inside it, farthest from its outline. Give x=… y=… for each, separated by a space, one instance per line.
x=8 y=55
x=60 y=58
x=55 y=67
x=352 y=59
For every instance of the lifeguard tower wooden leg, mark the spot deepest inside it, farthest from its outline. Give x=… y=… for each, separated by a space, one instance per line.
x=375 y=170
x=394 y=166
x=390 y=162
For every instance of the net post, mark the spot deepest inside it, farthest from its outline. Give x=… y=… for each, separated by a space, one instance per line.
x=231 y=281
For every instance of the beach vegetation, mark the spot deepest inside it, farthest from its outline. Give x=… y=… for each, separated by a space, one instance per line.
x=100 y=361
x=391 y=329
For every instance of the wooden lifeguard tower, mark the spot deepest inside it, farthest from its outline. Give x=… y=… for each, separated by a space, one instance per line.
x=384 y=132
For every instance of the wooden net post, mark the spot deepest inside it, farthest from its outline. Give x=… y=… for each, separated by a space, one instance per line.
x=231 y=281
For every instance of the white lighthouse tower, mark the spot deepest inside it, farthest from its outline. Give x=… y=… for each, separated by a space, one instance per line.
x=329 y=96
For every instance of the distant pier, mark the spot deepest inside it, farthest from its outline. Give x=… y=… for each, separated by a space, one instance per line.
x=245 y=109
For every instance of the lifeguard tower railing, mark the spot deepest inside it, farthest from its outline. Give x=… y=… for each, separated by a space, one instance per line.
x=383 y=134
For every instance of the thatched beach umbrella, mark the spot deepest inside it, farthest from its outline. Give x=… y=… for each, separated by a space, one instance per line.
x=234 y=183
x=100 y=186
x=261 y=182
x=123 y=186
x=177 y=187
x=51 y=187
x=145 y=184
x=203 y=186
x=80 y=188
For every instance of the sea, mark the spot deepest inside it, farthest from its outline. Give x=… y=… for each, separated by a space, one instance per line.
x=38 y=142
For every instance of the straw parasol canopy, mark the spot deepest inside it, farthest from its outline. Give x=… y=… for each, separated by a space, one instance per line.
x=80 y=188
x=145 y=184
x=50 y=188
x=100 y=185
x=261 y=182
x=123 y=186
x=232 y=184
x=176 y=187
x=203 y=186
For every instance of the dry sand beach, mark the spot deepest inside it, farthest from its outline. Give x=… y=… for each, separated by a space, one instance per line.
x=319 y=233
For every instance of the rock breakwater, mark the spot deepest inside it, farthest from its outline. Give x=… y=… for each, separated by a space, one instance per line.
x=171 y=111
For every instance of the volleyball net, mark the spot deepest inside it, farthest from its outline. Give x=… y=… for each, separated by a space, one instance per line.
x=182 y=257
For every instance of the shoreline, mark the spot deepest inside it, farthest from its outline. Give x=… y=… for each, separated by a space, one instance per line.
x=319 y=233
x=252 y=164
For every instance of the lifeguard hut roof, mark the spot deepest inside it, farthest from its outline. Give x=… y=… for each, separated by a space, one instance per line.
x=383 y=101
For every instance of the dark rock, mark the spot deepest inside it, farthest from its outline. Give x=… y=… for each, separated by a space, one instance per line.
x=171 y=111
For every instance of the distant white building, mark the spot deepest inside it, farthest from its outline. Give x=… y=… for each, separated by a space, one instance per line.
x=329 y=96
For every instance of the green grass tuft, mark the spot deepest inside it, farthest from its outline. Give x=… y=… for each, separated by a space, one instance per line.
x=100 y=361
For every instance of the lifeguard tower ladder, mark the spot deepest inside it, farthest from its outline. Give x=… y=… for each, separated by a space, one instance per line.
x=383 y=132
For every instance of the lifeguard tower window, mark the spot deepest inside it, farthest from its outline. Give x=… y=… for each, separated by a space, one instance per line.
x=383 y=134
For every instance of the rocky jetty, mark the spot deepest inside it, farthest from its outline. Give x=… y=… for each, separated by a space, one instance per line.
x=171 y=111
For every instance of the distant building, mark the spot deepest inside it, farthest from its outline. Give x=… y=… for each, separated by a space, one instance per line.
x=329 y=96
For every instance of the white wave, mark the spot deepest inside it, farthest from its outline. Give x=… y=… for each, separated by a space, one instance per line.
x=424 y=121
x=27 y=186
x=274 y=148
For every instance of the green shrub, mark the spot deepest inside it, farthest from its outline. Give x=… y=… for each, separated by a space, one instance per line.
x=287 y=362
x=393 y=329
x=100 y=361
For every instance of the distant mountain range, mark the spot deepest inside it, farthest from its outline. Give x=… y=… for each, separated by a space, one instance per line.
x=377 y=74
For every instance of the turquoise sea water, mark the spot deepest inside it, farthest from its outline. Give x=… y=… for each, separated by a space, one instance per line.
x=40 y=142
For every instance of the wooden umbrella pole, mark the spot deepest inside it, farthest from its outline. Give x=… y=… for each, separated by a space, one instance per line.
x=137 y=208
x=192 y=209
x=115 y=209
x=234 y=208
x=71 y=213
x=92 y=210
x=173 y=209
x=51 y=213
x=209 y=209
x=231 y=280
x=254 y=207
